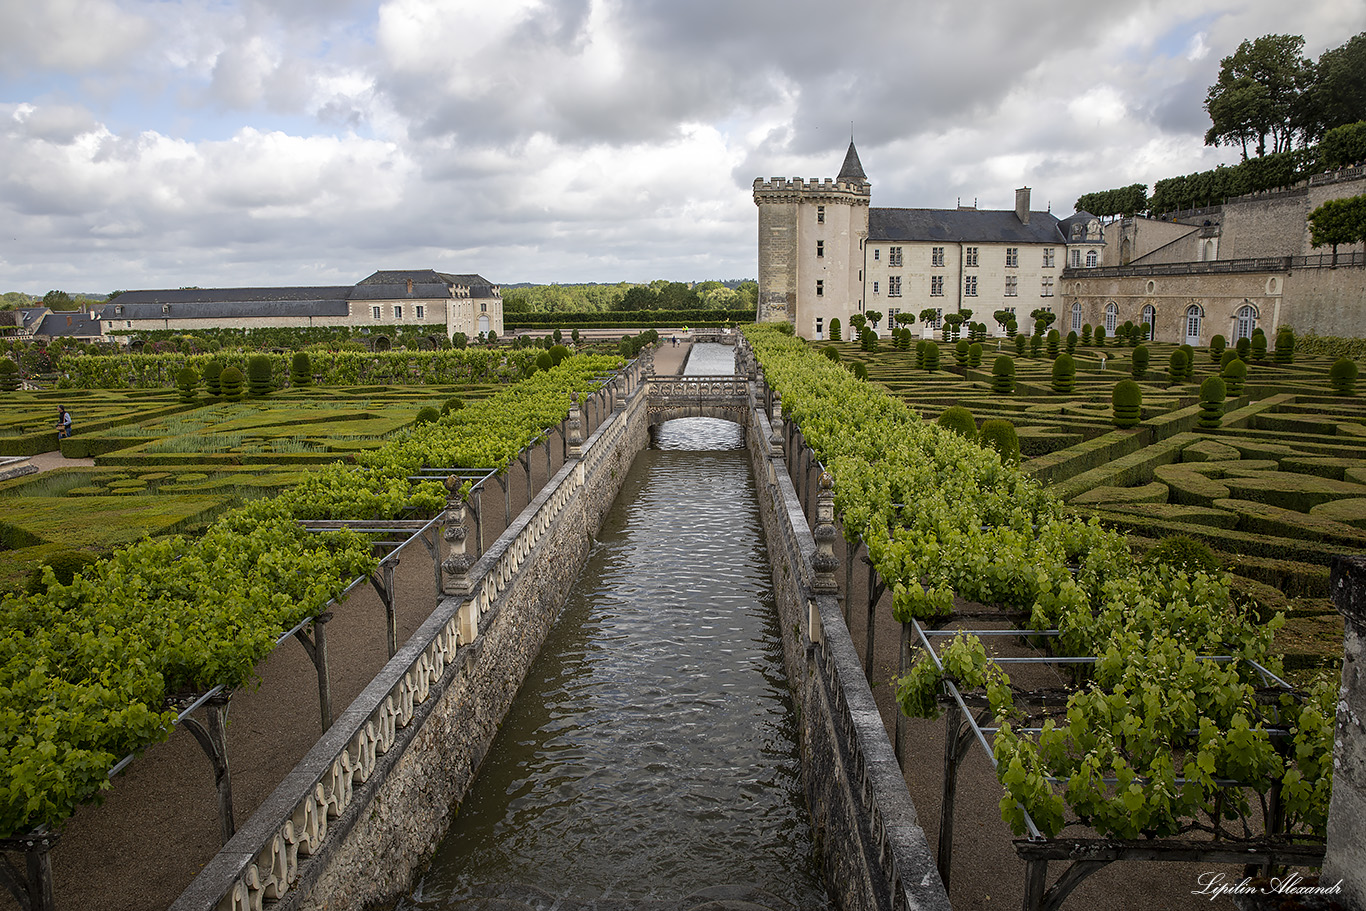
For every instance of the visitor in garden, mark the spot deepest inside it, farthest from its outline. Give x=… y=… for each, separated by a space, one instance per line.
x=63 y=423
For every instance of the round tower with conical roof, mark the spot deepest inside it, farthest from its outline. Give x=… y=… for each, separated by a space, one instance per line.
x=811 y=236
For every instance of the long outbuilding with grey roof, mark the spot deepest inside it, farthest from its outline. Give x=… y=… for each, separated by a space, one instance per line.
x=441 y=302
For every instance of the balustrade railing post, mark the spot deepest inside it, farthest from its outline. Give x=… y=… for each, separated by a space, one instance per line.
x=824 y=562
x=574 y=435
x=456 y=566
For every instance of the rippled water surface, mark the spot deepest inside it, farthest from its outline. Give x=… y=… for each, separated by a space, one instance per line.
x=652 y=751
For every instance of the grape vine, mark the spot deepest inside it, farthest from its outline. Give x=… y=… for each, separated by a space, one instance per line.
x=1158 y=740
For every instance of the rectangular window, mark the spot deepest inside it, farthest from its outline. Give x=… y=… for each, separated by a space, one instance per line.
x=421 y=311
x=894 y=286
x=820 y=215
x=1047 y=290
x=1012 y=286
x=969 y=286
x=1048 y=257
x=936 y=256
x=936 y=286
x=1076 y=259
x=820 y=288
x=483 y=308
x=374 y=312
x=820 y=248
x=877 y=254
x=820 y=326
x=970 y=257
x=1012 y=257
x=875 y=287
x=893 y=256
x=398 y=311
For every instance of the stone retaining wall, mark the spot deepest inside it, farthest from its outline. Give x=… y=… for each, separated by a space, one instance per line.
x=374 y=796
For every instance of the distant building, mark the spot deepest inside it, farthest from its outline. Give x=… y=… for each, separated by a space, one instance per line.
x=384 y=301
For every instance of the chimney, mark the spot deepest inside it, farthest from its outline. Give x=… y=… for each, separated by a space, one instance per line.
x=410 y=286
x=1022 y=205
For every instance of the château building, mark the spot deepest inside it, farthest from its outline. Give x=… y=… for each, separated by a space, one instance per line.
x=382 y=302
x=826 y=253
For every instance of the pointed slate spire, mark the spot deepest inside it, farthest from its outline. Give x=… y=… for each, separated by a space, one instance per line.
x=852 y=171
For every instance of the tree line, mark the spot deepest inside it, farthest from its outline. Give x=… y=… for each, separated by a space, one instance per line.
x=657 y=295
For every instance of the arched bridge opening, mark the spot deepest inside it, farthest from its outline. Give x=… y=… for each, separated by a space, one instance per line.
x=724 y=397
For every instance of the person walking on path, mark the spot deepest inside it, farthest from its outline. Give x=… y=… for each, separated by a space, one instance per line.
x=63 y=423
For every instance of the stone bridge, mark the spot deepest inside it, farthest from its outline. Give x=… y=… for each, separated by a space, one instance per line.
x=725 y=397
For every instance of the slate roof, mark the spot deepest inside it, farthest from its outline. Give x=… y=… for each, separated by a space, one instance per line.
x=240 y=308
x=1082 y=218
x=852 y=169
x=393 y=283
x=983 y=226
x=230 y=295
x=69 y=324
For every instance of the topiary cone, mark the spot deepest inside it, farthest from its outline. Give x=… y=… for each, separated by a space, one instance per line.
x=1127 y=401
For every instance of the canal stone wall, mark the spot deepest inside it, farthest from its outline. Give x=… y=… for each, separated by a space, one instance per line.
x=374 y=796
x=873 y=852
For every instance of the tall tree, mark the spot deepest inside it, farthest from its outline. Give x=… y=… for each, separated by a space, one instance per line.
x=1257 y=94
x=1337 y=95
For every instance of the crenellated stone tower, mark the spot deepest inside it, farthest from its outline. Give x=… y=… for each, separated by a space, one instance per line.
x=811 y=235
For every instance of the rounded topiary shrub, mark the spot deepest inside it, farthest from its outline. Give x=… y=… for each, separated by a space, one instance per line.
x=1021 y=343
x=213 y=371
x=1189 y=367
x=835 y=329
x=1212 y=395
x=1072 y=342
x=232 y=382
x=300 y=370
x=1054 y=342
x=1234 y=375
x=960 y=352
x=1343 y=375
x=959 y=420
x=1141 y=358
x=932 y=356
x=426 y=415
x=557 y=354
x=1228 y=357
x=867 y=340
x=1035 y=345
x=1127 y=400
x=1003 y=375
x=1285 y=346
x=1259 y=346
x=975 y=354
x=1244 y=349
x=1131 y=333
x=1086 y=334
x=259 y=380
x=544 y=361
x=65 y=566
x=452 y=404
x=1176 y=367
x=1100 y=336
x=1064 y=374
x=1012 y=329
x=1216 y=348
x=9 y=375
x=831 y=353
x=187 y=382
x=861 y=369
x=1000 y=435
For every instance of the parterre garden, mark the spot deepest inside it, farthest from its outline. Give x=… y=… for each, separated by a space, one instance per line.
x=1274 y=490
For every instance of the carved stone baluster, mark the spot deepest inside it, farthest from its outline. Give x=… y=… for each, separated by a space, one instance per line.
x=575 y=424
x=455 y=568
x=825 y=562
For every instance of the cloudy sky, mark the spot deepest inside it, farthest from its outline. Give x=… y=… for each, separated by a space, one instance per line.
x=262 y=142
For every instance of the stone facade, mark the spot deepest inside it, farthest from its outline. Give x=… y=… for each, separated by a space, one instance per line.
x=382 y=302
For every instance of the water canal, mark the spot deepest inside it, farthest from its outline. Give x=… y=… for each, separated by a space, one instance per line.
x=652 y=751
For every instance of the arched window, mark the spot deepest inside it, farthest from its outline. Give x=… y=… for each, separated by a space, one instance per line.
x=1149 y=318
x=1245 y=321
x=1090 y=259
x=1111 y=317
x=1076 y=317
x=1194 y=315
